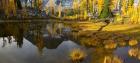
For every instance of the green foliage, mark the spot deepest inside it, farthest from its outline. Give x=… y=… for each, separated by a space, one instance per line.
x=70 y=13
x=106 y=12
x=131 y=2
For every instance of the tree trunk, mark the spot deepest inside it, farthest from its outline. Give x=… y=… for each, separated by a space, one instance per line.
x=18 y=4
x=87 y=5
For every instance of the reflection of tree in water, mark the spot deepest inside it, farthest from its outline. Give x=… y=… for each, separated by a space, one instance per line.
x=12 y=29
x=19 y=37
x=101 y=55
x=112 y=59
x=134 y=52
x=44 y=35
x=38 y=38
x=39 y=42
x=104 y=43
x=109 y=40
x=17 y=31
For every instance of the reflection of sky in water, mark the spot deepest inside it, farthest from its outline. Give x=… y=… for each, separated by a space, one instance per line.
x=123 y=53
x=29 y=53
x=11 y=54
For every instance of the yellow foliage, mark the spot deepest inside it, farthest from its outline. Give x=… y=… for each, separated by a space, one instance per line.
x=75 y=4
x=40 y=4
x=118 y=18
x=85 y=14
x=124 y=5
x=135 y=15
x=100 y=5
x=59 y=10
x=113 y=4
x=9 y=7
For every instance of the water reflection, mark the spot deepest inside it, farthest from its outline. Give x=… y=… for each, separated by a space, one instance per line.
x=123 y=53
x=29 y=53
x=40 y=34
x=112 y=59
x=15 y=30
x=57 y=40
x=134 y=52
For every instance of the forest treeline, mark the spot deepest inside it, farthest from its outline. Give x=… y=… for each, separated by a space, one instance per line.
x=120 y=10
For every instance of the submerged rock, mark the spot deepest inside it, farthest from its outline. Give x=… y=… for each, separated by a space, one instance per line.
x=133 y=42
x=90 y=42
x=110 y=44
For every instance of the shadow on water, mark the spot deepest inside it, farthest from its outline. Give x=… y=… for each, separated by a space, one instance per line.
x=57 y=40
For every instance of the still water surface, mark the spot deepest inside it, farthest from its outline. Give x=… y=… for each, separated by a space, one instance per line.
x=49 y=43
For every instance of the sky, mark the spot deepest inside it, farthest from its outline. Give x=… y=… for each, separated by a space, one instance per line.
x=136 y=2
x=67 y=3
